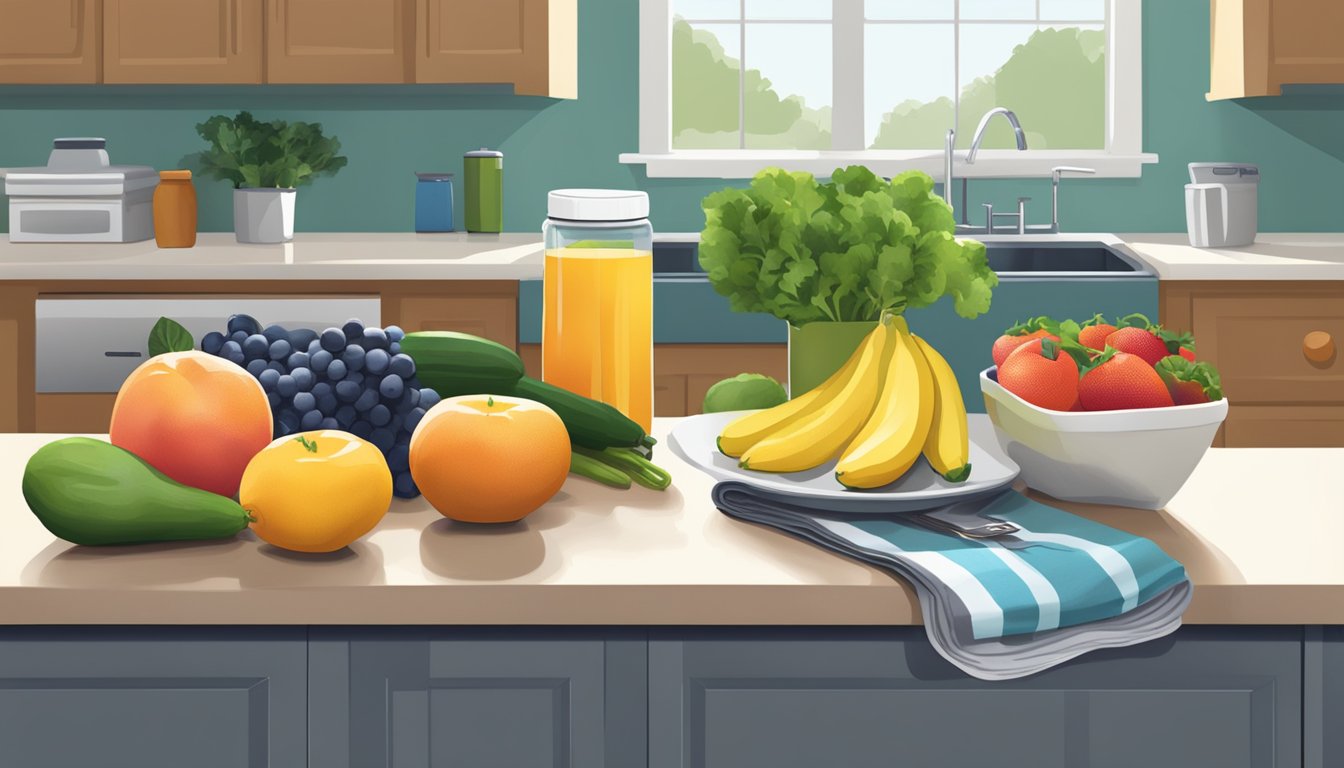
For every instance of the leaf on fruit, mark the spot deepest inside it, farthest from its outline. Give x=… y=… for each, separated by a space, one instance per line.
x=169 y=336
x=1177 y=368
x=1134 y=320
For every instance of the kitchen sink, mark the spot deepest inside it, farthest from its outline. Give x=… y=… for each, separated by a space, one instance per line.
x=1037 y=260
x=1011 y=259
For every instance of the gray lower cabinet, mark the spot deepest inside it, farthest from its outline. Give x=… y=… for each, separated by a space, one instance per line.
x=1223 y=697
x=152 y=697
x=522 y=697
x=1322 y=737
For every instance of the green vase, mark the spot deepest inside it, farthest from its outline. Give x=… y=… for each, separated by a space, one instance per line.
x=819 y=349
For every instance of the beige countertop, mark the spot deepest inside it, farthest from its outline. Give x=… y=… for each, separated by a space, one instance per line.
x=311 y=256
x=1273 y=256
x=1259 y=531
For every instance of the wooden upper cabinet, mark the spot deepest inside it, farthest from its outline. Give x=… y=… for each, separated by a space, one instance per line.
x=530 y=43
x=339 y=41
x=48 y=41
x=182 y=41
x=1257 y=46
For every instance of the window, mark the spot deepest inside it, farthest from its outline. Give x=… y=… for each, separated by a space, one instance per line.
x=730 y=86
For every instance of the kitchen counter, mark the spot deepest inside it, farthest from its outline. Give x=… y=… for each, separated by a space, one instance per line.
x=1273 y=256
x=311 y=256
x=1257 y=529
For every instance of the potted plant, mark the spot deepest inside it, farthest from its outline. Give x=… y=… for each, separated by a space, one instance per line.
x=831 y=257
x=266 y=162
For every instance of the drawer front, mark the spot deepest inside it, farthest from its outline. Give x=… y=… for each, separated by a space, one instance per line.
x=156 y=697
x=1284 y=426
x=1257 y=343
x=87 y=344
x=1226 y=696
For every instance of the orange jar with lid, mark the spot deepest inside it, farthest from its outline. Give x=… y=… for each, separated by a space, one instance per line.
x=175 y=210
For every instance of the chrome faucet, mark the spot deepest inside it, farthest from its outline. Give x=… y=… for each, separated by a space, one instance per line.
x=984 y=123
x=970 y=159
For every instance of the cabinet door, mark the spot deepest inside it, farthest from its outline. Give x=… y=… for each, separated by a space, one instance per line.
x=1225 y=696
x=182 y=41
x=338 y=41
x=153 y=697
x=43 y=41
x=530 y=43
x=469 y=698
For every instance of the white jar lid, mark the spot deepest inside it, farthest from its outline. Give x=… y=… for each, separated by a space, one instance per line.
x=597 y=204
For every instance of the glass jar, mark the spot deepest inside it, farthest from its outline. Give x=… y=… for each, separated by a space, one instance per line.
x=434 y=202
x=597 y=337
x=175 y=210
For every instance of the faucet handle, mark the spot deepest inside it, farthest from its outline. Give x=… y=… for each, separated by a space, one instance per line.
x=1062 y=169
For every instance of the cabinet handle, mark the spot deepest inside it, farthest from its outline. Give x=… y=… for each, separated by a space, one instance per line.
x=1318 y=346
x=233 y=25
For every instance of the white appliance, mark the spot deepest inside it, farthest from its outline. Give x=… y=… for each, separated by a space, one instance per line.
x=80 y=197
x=87 y=344
x=1220 y=204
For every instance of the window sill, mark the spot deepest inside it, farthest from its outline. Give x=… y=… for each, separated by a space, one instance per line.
x=739 y=164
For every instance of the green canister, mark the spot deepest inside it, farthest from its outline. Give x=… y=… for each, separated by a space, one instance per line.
x=483 y=170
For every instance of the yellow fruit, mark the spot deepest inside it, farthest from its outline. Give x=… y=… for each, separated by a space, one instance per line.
x=489 y=459
x=948 y=446
x=892 y=439
x=316 y=491
x=823 y=432
x=744 y=432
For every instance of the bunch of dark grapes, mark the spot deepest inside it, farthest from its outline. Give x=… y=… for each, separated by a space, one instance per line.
x=351 y=378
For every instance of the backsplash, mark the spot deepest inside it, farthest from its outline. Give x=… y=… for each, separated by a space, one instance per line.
x=389 y=132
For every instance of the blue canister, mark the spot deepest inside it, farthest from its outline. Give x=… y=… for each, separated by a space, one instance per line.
x=434 y=202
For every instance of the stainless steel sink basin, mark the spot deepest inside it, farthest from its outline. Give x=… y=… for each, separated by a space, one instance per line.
x=1035 y=260
x=1011 y=258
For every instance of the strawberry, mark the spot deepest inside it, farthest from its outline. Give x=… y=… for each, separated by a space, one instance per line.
x=1140 y=342
x=1189 y=382
x=1033 y=328
x=1122 y=380
x=1187 y=353
x=1094 y=332
x=1041 y=374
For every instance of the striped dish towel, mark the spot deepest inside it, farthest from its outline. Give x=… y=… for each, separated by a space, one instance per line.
x=1009 y=606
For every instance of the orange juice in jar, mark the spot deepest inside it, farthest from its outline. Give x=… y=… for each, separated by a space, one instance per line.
x=597 y=337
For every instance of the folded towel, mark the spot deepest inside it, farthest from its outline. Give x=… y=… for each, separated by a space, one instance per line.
x=1004 y=607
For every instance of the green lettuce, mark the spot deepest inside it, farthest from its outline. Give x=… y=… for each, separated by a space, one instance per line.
x=848 y=249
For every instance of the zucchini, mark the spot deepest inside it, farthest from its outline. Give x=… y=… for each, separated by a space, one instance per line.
x=630 y=463
x=452 y=363
x=586 y=466
x=591 y=424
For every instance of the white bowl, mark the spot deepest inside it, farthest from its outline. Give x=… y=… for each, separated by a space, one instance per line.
x=1135 y=458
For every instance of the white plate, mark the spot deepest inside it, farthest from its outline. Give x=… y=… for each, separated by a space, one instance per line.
x=694 y=440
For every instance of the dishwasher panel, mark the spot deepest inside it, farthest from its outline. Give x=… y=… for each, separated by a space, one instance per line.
x=91 y=344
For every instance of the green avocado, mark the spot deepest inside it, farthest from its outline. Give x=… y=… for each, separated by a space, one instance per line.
x=93 y=493
x=745 y=391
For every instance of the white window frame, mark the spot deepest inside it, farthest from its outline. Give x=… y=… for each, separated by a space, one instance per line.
x=1123 y=156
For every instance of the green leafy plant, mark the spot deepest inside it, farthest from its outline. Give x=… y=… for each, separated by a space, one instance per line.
x=848 y=249
x=169 y=336
x=252 y=153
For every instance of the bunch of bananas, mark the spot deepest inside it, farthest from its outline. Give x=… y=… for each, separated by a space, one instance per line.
x=894 y=399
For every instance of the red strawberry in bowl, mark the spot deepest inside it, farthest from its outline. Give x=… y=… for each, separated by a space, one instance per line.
x=1189 y=382
x=1042 y=374
x=1140 y=342
x=1015 y=337
x=1122 y=380
x=1094 y=332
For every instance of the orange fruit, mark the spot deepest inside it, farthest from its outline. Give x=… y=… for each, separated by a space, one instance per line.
x=489 y=459
x=316 y=491
x=197 y=418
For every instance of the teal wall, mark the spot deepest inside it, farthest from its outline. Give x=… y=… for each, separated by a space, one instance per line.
x=389 y=132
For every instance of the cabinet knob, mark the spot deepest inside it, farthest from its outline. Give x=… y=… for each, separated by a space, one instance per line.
x=1318 y=347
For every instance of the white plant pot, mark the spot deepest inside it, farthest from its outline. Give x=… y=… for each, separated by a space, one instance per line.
x=263 y=215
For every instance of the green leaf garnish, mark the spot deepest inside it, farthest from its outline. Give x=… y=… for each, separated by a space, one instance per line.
x=169 y=336
x=1175 y=368
x=311 y=445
